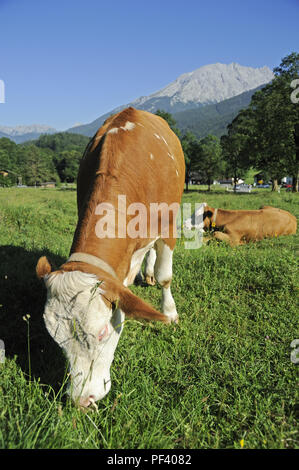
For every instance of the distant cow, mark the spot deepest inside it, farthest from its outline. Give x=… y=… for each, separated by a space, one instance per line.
x=241 y=226
x=136 y=158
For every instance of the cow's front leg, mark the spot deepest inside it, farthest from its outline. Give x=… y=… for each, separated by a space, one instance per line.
x=230 y=238
x=163 y=275
x=149 y=267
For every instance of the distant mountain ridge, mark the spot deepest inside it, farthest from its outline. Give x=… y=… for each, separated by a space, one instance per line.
x=21 y=134
x=207 y=85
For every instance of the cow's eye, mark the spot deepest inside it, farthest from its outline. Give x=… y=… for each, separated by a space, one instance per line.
x=103 y=333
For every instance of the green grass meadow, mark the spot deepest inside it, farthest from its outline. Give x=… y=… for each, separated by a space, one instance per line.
x=221 y=378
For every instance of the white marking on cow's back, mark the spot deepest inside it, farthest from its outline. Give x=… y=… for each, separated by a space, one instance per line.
x=164 y=140
x=177 y=173
x=171 y=156
x=129 y=126
x=157 y=136
x=114 y=130
x=151 y=156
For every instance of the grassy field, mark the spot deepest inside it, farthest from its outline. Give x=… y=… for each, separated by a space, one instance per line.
x=221 y=378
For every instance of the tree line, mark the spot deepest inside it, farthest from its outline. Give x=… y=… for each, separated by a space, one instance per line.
x=50 y=158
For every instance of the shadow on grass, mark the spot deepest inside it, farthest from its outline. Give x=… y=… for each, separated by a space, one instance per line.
x=22 y=293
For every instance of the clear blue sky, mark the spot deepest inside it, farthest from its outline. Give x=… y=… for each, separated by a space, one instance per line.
x=69 y=61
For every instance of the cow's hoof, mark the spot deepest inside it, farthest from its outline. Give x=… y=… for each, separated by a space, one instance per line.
x=150 y=280
x=172 y=319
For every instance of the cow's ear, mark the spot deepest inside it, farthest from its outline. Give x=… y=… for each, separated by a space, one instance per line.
x=207 y=214
x=43 y=267
x=135 y=307
x=114 y=292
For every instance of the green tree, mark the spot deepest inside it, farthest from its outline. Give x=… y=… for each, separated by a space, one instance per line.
x=38 y=165
x=47 y=158
x=8 y=162
x=191 y=153
x=67 y=165
x=210 y=162
x=238 y=145
x=270 y=135
x=286 y=76
x=62 y=141
x=270 y=153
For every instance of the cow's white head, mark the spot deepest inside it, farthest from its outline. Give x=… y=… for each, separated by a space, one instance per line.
x=85 y=316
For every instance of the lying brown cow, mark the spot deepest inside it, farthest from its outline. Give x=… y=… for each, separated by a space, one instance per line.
x=241 y=226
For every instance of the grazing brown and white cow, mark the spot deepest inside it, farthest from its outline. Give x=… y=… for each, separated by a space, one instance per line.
x=242 y=226
x=135 y=159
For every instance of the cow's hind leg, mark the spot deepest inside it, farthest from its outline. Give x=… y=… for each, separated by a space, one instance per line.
x=163 y=275
x=150 y=266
